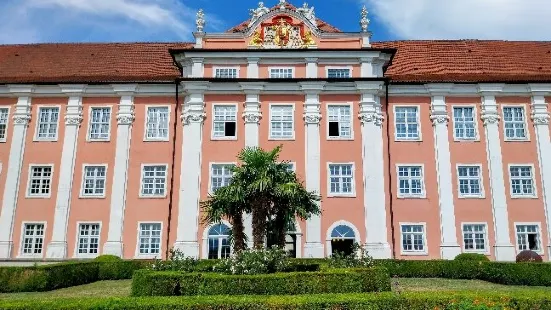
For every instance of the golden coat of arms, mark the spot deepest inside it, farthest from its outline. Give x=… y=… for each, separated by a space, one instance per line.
x=282 y=33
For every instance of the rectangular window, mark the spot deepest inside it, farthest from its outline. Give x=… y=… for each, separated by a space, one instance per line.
x=224 y=121
x=149 y=239
x=290 y=167
x=474 y=237
x=340 y=121
x=528 y=237
x=413 y=238
x=469 y=181
x=281 y=122
x=522 y=181
x=157 y=123
x=410 y=181
x=40 y=181
x=47 y=123
x=220 y=175
x=3 y=124
x=281 y=73
x=225 y=73
x=99 y=124
x=341 y=179
x=514 y=123
x=33 y=239
x=340 y=73
x=407 y=123
x=464 y=123
x=88 y=238
x=93 y=183
x=153 y=181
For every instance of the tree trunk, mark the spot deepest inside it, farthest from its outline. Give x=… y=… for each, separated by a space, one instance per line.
x=280 y=229
x=238 y=231
x=259 y=224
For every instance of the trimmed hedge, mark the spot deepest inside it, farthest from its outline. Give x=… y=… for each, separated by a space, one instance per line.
x=52 y=277
x=148 y=283
x=501 y=273
x=381 y=301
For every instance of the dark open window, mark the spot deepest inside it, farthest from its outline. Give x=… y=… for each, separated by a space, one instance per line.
x=533 y=241
x=229 y=129
x=334 y=129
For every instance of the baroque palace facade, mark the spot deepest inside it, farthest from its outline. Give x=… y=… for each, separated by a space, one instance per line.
x=419 y=149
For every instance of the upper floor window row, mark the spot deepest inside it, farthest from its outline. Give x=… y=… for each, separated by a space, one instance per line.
x=282 y=72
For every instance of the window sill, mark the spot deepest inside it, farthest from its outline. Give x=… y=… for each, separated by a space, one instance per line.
x=472 y=197
x=524 y=197
x=85 y=256
x=156 y=140
x=147 y=256
x=466 y=140
x=282 y=139
x=487 y=253
x=223 y=138
x=411 y=197
x=91 y=197
x=516 y=140
x=44 y=140
x=403 y=253
x=408 y=140
x=339 y=139
x=3 y=141
x=152 y=196
x=336 y=195
x=38 y=196
x=98 y=140
x=30 y=256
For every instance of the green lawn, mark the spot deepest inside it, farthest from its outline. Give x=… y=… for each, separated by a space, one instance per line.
x=122 y=288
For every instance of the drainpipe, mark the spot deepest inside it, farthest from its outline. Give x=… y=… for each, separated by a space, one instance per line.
x=389 y=169
x=171 y=194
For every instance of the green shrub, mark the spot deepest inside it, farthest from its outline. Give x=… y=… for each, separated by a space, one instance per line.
x=177 y=261
x=120 y=270
x=472 y=257
x=381 y=301
x=358 y=259
x=107 y=259
x=249 y=262
x=149 y=283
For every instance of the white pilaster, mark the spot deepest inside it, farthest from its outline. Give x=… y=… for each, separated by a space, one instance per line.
x=21 y=118
x=376 y=242
x=125 y=118
x=57 y=248
x=540 y=117
x=252 y=68
x=193 y=116
x=504 y=250
x=366 y=67
x=449 y=247
x=197 y=67
x=252 y=117
x=313 y=247
x=311 y=68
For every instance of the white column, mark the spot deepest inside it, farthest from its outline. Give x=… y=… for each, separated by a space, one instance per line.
x=504 y=250
x=252 y=68
x=125 y=118
x=311 y=68
x=21 y=118
x=193 y=116
x=449 y=247
x=313 y=247
x=376 y=242
x=57 y=248
x=252 y=117
x=540 y=117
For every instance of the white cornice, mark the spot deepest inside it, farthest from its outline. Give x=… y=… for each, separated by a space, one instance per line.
x=490 y=89
x=19 y=90
x=144 y=90
x=540 y=89
x=464 y=90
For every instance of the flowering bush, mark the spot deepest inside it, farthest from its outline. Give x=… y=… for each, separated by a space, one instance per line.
x=358 y=258
x=177 y=261
x=250 y=262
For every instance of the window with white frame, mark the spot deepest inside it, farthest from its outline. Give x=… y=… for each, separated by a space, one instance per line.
x=514 y=123
x=340 y=121
x=33 y=239
x=224 y=121
x=341 y=179
x=88 y=238
x=100 y=118
x=153 y=180
x=413 y=238
x=407 y=123
x=149 y=239
x=464 y=123
x=528 y=237
x=93 y=183
x=3 y=124
x=220 y=175
x=157 y=123
x=281 y=122
x=474 y=237
x=48 y=118
x=281 y=73
x=225 y=73
x=410 y=181
x=469 y=181
x=338 y=73
x=290 y=167
x=40 y=181
x=522 y=181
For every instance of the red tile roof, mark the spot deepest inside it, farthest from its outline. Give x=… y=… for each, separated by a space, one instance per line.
x=415 y=61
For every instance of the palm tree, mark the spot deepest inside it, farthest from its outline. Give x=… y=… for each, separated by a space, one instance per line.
x=227 y=202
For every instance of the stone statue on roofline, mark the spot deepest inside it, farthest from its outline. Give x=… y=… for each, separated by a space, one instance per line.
x=364 y=21
x=308 y=13
x=258 y=12
x=282 y=4
x=200 y=21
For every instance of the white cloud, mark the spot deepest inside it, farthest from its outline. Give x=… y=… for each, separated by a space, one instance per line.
x=25 y=21
x=464 y=19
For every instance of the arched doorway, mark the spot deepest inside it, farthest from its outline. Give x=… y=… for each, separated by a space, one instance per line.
x=218 y=242
x=342 y=240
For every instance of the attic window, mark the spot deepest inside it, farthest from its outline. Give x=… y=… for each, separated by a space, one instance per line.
x=281 y=73
x=338 y=73
x=226 y=73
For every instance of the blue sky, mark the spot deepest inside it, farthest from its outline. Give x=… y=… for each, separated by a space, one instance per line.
x=31 y=21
